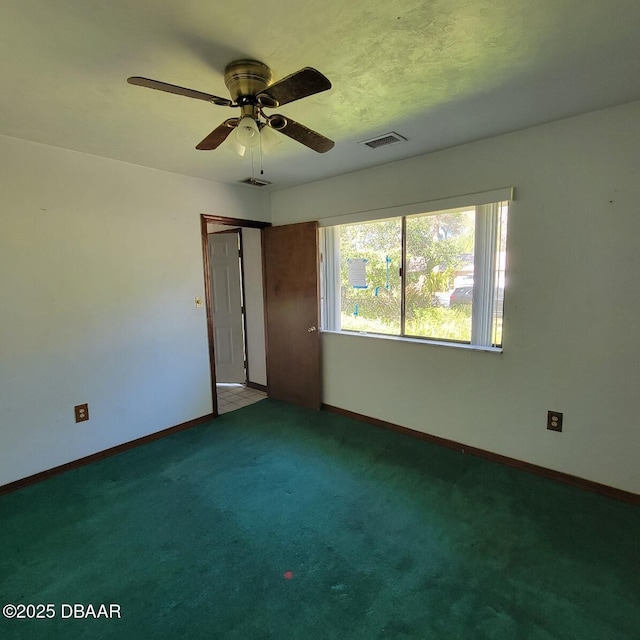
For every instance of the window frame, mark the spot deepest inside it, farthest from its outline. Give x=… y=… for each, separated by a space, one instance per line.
x=483 y=323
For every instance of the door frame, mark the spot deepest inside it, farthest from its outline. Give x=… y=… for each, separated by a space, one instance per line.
x=208 y=290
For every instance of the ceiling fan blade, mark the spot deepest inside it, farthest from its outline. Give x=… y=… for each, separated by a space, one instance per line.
x=181 y=91
x=302 y=134
x=218 y=135
x=298 y=85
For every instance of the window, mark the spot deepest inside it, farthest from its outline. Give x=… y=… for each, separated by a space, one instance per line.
x=437 y=275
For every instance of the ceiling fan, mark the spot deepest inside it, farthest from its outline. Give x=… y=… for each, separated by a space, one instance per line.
x=250 y=84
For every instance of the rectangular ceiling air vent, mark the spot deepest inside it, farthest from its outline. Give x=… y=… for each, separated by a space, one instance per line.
x=382 y=141
x=255 y=182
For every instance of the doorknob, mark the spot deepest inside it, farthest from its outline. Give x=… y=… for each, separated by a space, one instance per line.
x=311 y=329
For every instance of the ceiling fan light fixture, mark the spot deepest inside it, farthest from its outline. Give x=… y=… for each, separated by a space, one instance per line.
x=269 y=140
x=238 y=148
x=248 y=134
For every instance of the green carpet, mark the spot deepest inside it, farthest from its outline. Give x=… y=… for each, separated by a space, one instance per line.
x=279 y=522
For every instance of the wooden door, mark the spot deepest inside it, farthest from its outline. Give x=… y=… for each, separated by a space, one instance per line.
x=292 y=313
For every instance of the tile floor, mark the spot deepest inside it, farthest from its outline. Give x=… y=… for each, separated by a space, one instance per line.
x=233 y=396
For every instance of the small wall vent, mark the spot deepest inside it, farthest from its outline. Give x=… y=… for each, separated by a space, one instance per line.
x=255 y=182
x=382 y=141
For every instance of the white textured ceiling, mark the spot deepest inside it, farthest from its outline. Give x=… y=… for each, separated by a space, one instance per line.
x=439 y=72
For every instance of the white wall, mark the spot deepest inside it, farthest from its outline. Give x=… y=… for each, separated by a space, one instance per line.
x=572 y=304
x=100 y=262
x=254 y=301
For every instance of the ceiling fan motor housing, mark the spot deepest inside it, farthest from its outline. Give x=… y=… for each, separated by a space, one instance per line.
x=246 y=78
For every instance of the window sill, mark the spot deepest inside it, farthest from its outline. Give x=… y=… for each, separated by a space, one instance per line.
x=427 y=341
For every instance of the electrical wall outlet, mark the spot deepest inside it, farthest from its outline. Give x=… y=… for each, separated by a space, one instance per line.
x=554 y=420
x=82 y=412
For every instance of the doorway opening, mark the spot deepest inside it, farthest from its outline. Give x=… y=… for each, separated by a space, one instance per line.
x=234 y=304
x=235 y=396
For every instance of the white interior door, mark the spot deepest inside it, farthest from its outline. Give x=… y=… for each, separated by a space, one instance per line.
x=228 y=326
